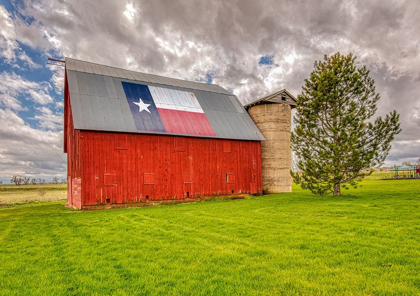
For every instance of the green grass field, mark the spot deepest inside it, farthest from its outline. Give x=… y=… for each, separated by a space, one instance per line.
x=364 y=243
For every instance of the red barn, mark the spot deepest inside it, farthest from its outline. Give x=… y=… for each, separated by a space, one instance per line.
x=132 y=137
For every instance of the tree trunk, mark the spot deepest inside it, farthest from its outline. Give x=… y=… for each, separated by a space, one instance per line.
x=337 y=189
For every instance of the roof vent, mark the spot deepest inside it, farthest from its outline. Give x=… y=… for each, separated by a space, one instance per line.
x=283 y=98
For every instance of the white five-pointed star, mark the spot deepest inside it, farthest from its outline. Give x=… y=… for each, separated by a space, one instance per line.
x=142 y=106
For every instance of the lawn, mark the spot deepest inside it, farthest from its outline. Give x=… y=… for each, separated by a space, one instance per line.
x=364 y=243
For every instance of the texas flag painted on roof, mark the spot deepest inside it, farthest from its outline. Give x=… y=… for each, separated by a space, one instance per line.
x=158 y=109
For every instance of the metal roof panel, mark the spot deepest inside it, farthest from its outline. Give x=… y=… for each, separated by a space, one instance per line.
x=92 y=84
x=82 y=82
x=104 y=105
x=110 y=87
x=108 y=113
x=237 y=104
x=72 y=80
x=76 y=108
x=89 y=118
x=102 y=90
x=98 y=112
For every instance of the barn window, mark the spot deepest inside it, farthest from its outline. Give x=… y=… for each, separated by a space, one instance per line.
x=121 y=142
x=180 y=144
x=227 y=147
x=149 y=178
x=230 y=178
x=110 y=179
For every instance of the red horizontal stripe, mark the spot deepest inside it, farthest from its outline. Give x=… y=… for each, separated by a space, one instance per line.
x=184 y=122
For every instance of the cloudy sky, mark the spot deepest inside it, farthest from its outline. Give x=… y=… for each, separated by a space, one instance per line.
x=252 y=48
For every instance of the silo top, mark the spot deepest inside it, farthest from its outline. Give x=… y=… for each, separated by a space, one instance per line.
x=280 y=97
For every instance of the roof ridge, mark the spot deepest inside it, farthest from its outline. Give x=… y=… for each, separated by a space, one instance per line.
x=145 y=73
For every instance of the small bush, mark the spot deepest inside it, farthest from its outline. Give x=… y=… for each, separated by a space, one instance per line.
x=41 y=192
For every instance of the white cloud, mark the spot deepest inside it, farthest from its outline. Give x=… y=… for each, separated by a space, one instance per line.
x=13 y=31
x=8 y=44
x=57 y=79
x=13 y=85
x=130 y=11
x=28 y=61
x=49 y=120
x=26 y=151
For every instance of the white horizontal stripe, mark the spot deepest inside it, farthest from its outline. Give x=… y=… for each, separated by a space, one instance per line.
x=175 y=99
x=178 y=108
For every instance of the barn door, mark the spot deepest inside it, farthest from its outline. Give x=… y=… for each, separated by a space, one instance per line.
x=109 y=190
x=188 y=190
x=111 y=194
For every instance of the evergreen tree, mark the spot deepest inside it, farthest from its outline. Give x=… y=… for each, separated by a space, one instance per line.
x=334 y=139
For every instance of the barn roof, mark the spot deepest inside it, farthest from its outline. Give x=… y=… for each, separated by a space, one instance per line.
x=281 y=97
x=106 y=98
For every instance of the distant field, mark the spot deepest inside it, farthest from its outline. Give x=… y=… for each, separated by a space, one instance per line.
x=379 y=175
x=364 y=243
x=10 y=194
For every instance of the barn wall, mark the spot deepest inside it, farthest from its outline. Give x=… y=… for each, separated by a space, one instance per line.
x=72 y=148
x=124 y=168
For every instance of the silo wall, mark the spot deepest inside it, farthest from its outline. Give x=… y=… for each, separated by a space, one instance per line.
x=274 y=122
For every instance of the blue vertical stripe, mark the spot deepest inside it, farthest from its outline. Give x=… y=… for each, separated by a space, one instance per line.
x=144 y=120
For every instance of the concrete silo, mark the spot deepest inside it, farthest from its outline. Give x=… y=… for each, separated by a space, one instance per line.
x=272 y=115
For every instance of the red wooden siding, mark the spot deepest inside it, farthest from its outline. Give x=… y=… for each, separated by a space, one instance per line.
x=125 y=168
x=72 y=148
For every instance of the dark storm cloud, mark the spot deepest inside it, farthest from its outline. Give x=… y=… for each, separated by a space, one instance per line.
x=190 y=39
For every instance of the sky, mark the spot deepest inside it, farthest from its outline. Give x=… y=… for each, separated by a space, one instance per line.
x=252 y=48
